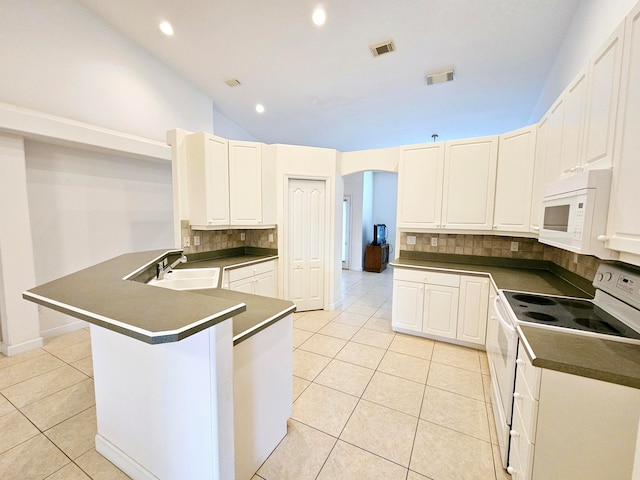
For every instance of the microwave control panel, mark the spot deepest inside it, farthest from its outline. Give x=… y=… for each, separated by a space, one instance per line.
x=579 y=221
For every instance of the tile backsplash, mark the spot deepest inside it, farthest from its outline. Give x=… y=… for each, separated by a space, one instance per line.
x=212 y=240
x=499 y=246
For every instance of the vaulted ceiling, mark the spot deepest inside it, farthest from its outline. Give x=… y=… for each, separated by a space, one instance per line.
x=321 y=86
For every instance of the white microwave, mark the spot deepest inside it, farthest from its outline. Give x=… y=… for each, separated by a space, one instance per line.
x=574 y=213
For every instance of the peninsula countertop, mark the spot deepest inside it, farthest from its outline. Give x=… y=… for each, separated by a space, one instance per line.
x=100 y=295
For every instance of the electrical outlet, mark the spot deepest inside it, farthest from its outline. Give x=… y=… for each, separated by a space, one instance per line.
x=271 y=237
x=196 y=240
x=514 y=246
x=575 y=258
x=434 y=241
x=242 y=236
x=411 y=240
x=186 y=242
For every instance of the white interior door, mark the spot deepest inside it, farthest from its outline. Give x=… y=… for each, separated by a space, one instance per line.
x=306 y=243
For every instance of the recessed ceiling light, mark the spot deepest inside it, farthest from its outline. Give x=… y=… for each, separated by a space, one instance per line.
x=260 y=108
x=319 y=16
x=166 y=28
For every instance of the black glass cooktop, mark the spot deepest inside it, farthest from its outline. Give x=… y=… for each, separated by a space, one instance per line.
x=573 y=313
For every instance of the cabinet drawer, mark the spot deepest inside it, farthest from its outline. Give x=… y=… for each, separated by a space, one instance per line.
x=527 y=405
x=251 y=270
x=427 y=276
x=521 y=450
x=530 y=374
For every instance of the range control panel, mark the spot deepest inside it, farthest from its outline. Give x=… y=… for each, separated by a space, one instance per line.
x=621 y=282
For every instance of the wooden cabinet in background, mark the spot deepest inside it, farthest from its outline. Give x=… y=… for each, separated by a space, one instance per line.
x=376 y=258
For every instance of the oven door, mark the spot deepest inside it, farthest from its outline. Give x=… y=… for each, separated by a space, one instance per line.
x=502 y=345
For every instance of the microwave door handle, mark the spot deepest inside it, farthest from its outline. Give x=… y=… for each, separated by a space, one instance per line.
x=509 y=328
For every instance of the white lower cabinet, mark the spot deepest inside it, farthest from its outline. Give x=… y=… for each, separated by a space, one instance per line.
x=440 y=305
x=567 y=426
x=473 y=308
x=259 y=279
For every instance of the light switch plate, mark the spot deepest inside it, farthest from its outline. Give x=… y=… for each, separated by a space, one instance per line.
x=434 y=241
x=196 y=240
x=411 y=240
x=271 y=237
x=242 y=236
x=514 y=246
x=186 y=242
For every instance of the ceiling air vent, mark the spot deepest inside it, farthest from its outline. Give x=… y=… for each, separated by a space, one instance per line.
x=440 y=77
x=234 y=82
x=382 y=48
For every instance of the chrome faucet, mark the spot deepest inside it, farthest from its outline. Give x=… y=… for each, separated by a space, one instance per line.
x=162 y=269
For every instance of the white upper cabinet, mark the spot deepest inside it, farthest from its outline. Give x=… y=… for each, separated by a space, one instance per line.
x=575 y=99
x=245 y=183
x=602 y=102
x=208 y=179
x=514 y=182
x=552 y=164
x=469 y=183
x=230 y=184
x=542 y=142
x=420 y=172
x=623 y=229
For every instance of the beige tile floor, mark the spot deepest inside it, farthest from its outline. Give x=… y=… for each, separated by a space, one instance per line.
x=368 y=403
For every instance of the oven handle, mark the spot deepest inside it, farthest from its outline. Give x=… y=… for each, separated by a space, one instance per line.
x=509 y=328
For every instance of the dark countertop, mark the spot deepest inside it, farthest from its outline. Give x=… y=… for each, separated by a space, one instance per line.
x=519 y=278
x=606 y=360
x=100 y=296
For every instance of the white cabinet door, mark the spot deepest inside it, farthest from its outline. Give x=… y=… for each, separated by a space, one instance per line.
x=407 y=305
x=575 y=97
x=207 y=179
x=265 y=284
x=623 y=230
x=602 y=103
x=440 y=310
x=469 y=183
x=245 y=285
x=473 y=309
x=245 y=183
x=552 y=169
x=542 y=145
x=420 y=173
x=514 y=183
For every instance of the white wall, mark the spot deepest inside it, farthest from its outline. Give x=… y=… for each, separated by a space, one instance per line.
x=367 y=210
x=353 y=186
x=319 y=164
x=223 y=127
x=592 y=24
x=87 y=207
x=60 y=59
x=385 y=199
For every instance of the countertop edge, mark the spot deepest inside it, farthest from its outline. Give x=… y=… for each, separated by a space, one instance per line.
x=163 y=336
x=262 y=325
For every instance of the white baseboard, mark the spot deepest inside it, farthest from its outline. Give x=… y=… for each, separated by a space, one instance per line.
x=66 y=328
x=121 y=460
x=334 y=306
x=9 y=350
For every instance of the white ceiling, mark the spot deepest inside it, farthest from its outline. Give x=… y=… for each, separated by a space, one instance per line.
x=322 y=87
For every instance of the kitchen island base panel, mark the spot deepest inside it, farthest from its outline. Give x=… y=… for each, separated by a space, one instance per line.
x=167 y=408
x=263 y=393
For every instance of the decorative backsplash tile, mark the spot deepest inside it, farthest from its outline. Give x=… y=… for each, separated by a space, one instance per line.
x=498 y=246
x=212 y=240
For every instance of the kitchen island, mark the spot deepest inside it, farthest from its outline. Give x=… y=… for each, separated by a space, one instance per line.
x=174 y=397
